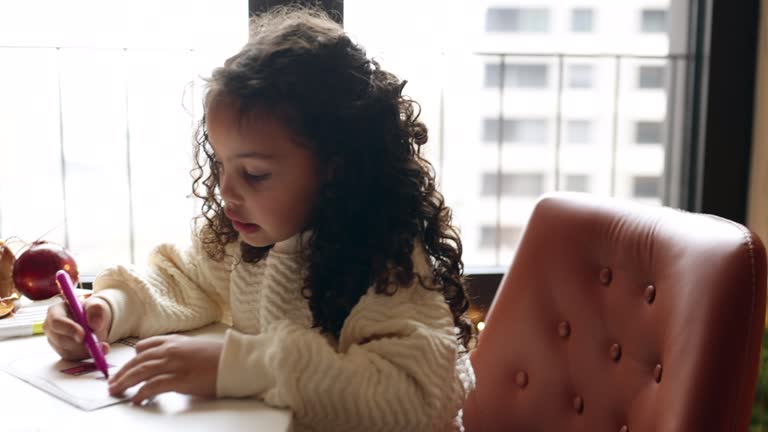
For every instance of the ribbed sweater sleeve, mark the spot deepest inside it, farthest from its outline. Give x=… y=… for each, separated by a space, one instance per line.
x=179 y=290
x=393 y=367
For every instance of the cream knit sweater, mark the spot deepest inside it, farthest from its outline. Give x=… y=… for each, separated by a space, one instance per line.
x=394 y=367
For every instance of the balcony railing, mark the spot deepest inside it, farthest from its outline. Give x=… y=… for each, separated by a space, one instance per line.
x=617 y=65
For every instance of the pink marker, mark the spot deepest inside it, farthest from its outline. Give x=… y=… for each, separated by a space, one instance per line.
x=91 y=343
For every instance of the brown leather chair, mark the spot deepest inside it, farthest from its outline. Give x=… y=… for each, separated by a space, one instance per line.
x=616 y=316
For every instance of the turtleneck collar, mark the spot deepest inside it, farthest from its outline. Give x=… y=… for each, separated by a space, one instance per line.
x=293 y=244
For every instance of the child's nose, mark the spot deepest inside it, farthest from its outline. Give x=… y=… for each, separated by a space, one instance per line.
x=229 y=192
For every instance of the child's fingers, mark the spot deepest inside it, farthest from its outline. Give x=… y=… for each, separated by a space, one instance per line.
x=153 y=387
x=60 y=326
x=58 y=310
x=66 y=346
x=131 y=376
x=68 y=350
x=64 y=335
x=95 y=315
x=99 y=316
x=141 y=361
x=149 y=343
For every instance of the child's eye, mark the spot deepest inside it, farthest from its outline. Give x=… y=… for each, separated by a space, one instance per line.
x=255 y=178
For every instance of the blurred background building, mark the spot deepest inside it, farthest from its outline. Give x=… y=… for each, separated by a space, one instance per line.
x=525 y=97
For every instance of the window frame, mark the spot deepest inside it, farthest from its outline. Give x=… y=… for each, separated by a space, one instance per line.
x=726 y=43
x=719 y=38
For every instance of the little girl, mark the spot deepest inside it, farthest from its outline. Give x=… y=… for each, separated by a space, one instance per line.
x=322 y=241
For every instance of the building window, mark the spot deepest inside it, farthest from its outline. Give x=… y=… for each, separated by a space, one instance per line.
x=515 y=185
x=517 y=20
x=651 y=77
x=653 y=21
x=582 y=20
x=493 y=75
x=517 y=75
x=580 y=76
x=516 y=131
x=648 y=132
x=507 y=238
x=646 y=187
x=577 y=183
x=579 y=132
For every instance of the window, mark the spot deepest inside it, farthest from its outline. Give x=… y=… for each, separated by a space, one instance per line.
x=577 y=183
x=651 y=77
x=653 y=21
x=594 y=49
x=514 y=184
x=582 y=20
x=580 y=76
x=517 y=75
x=101 y=107
x=647 y=132
x=579 y=132
x=517 y=20
x=490 y=236
x=646 y=187
x=518 y=131
x=493 y=75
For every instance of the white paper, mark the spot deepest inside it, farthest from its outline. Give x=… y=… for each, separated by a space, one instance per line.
x=43 y=369
x=87 y=391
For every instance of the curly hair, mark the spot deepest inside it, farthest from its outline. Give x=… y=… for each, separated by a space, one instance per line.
x=380 y=197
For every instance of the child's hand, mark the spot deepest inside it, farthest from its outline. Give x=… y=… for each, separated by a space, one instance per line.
x=66 y=336
x=170 y=363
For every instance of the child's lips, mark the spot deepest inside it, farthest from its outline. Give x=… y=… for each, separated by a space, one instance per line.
x=244 y=227
x=240 y=226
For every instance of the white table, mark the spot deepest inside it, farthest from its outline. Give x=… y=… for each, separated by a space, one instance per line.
x=26 y=408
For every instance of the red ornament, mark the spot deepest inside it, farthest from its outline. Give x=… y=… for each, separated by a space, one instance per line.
x=34 y=272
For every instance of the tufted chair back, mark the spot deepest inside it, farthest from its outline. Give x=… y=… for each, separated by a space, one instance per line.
x=622 y=317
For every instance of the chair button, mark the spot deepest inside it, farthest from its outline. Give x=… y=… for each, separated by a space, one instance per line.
x=521 y=379
x=615 y=352
x=657 y=373
x=624 y=428
x=650 y=293
x=606 y=276
x=578 y=404
x=564 y=329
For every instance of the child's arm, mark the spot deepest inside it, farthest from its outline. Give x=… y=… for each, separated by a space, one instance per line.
x=395 y=368
x=179 y=291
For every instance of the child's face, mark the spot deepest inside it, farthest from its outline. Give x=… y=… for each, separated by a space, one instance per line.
x=267 y=181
